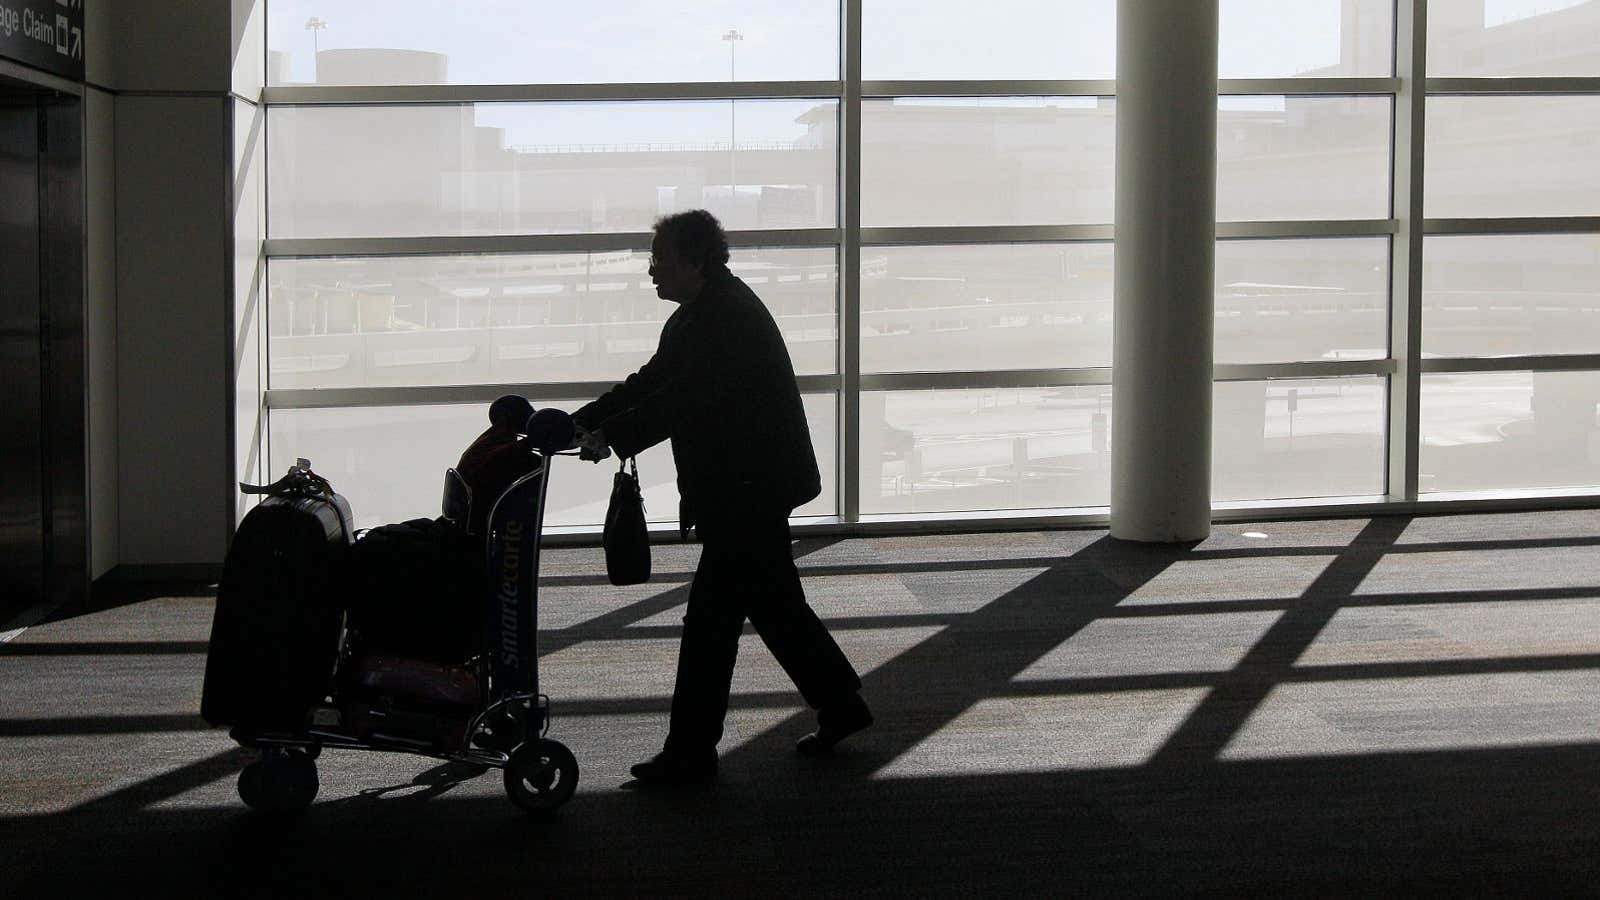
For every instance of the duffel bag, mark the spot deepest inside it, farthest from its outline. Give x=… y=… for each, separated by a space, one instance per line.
x=416 y=590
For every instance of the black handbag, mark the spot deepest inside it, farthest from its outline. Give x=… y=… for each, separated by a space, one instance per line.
x=626 y=539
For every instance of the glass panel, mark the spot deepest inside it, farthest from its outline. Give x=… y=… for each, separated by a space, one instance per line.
x=511 y=318
x=1302 y=299
x=1512 y=156
x=1315 y=437
x=952 y=39
x=951 y=451
x=1513 y=37
x=1302 y=158
x=389 y=461
x=518 y=168
x=485 y=42
x=980 y=307
x=1509 y=431
x=249 y=160
x=987 y=161
x=1510 y=295
x=1322 y=38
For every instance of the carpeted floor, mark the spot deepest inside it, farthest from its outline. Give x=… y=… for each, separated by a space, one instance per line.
x=1331 y=707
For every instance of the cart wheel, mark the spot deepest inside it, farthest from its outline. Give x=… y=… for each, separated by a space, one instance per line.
x=541 y=775
x=279 y=782
x=250 y=789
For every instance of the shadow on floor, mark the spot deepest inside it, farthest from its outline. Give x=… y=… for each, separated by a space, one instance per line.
x=1186 y=819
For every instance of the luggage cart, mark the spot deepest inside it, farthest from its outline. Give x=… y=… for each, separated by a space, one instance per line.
x=488 y=713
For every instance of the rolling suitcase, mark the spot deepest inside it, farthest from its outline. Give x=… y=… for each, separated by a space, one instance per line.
x=275 y=635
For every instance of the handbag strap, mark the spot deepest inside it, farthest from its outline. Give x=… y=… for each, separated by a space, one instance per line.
x=623 y=466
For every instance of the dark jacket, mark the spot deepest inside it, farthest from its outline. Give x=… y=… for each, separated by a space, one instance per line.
x=722 y=388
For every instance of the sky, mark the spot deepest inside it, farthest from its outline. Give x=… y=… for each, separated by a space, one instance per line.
x=516 y=41
x=618 y=41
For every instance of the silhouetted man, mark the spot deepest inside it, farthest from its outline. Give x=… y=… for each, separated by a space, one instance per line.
x=722 y=388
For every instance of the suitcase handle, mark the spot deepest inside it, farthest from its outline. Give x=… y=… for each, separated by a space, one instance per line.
x=298 y=481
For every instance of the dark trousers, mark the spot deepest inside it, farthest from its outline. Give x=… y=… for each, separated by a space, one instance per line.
x=746 y=571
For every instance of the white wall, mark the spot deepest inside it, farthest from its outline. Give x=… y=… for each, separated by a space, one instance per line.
x=248 y=60
x=99 y=40
x=171 y=339
x=174 y=405
x=249 y=280
x=169 y=45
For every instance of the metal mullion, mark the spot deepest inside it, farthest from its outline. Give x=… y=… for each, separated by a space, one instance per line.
x=1106 y=87
x=985 y=380
x=1553 y=84
x=427 y=395
x=1575 y=362
x=1306 y=228
x=1084 y=87
x=849 y=426
x=264 y=406
x=984 y=234
x=1300 y=87
x=528 y=243
x=1405 y=269
x=1333 y=368
x=1042 y=519
x=785 y=237
x=366 y=95
x=1514 y=225
x=1000 y=234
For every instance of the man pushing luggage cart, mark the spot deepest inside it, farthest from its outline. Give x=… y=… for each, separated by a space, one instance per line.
x=721 y=379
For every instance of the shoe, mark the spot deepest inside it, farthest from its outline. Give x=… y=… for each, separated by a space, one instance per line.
x=834 y=724
x=669 y=770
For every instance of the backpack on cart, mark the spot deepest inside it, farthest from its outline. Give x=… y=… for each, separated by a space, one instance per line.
x=275 y=635
x=417 y=589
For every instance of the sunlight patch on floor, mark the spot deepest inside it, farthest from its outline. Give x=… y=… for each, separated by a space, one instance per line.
x=1447 y=712
x=1045 y=734
x=1154 y=645
x=1230 y=579
x=1506 y=629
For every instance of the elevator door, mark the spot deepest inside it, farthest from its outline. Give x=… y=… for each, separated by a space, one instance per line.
x=22 y=512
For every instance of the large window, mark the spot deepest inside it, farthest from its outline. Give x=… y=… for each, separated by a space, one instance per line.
x=459 y=205
x=985 y=307
x=536 y=168
x=1510 y=308
x=987 y=161
x=475 y=42
x=1305 y=210
x=513 y=318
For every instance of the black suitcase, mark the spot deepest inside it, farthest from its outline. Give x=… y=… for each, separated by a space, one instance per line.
x=417 y=590
x=275 y=635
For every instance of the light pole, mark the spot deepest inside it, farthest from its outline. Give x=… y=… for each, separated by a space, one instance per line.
x=314 y=25
x=732 y=36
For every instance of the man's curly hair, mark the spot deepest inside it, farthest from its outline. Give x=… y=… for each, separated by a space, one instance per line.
x=698 y=238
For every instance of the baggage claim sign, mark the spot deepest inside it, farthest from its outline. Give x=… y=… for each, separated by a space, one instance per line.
x=45 y=34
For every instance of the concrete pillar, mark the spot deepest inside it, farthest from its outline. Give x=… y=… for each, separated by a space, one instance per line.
x=1165 y=256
